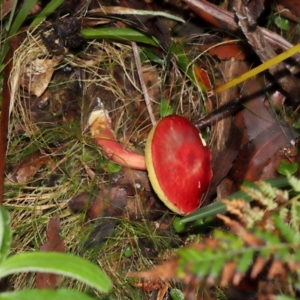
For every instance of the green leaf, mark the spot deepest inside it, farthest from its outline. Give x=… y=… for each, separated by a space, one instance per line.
x=202 y=269
x=297 y=255
x=286 y=168
x=198 y=262
x=148 y=54
x=207 y=211
x=245 y=261
x=176 y=294
x=57 y=263
x=282 y=23
x=268 y=237
x=45 y=295
x=165 y=109
x=113 y=167
x=286 y=231
x=188 y=254
x=231 y=241
x=183 y=61
x=50 y=8
x=294 y=182
x=5 y=233
x=128 y=252
x=283 y=254
x=118 y=34
x=178 y=226
x=217 y=266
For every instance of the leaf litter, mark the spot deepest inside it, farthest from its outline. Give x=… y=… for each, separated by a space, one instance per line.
x=52 y=159
x=55 y=169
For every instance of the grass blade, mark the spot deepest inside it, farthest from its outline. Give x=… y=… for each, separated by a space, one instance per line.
x=45 y=295
x=57 y=263
x=5 y=233
x=50 y=8
x=119 y=34
x=16 y=25
x=219 y=207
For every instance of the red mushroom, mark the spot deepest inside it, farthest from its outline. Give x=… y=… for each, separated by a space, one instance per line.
x=178 y=163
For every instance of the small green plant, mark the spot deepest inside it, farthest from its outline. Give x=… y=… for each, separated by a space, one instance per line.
x=282 y=23
x=176 y=294
x=165 y=109
x=287 y=168
x=262 y=235
x=48 y=262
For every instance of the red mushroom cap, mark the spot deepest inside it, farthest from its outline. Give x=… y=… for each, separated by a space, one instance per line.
x=178 y=163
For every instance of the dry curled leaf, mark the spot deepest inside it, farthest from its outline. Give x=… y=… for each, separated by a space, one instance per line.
x=38 y=74
x=27 y=168
x=54 y=243
x=236 y=227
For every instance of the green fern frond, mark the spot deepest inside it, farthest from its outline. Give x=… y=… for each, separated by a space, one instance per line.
x=265 y=195
x=245 y=261
x=254 y=216
x=283 y=213
x=295 y=213
x=294 y=182
x=267 y=189
x=263 y=238
x=242 y=250
x=287 y=232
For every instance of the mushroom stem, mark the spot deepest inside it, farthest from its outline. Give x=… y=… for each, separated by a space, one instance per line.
x=104 y=137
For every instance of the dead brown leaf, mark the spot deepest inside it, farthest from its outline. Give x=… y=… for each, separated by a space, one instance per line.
x=258 y=266
x=255 y=150
x=247 y=21
x=27 y=168
x=149 y=285
x=236 y=227
x=130 y=195
x=165 y=272
x=224 y=19
x=292 y=5
x=260 y=157
x=54 y=243
x=38 y=75
x=232 y=49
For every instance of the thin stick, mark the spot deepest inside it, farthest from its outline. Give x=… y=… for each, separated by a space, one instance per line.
x=142 y=82
x=4 y=119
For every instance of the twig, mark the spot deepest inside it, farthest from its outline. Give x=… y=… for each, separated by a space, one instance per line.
x=117 y=10
x=5 y=111
x=142 y=82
